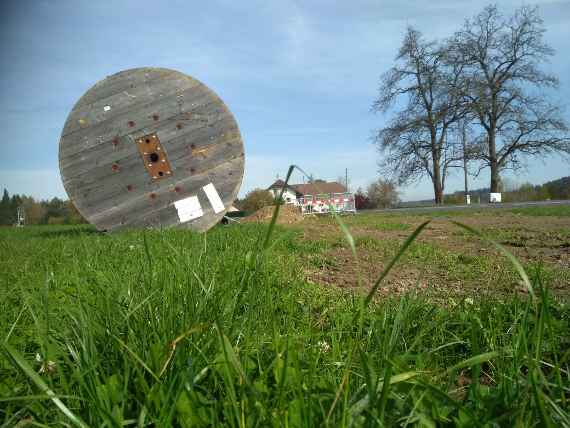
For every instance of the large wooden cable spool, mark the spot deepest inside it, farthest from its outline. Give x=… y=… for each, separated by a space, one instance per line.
x=151 y=147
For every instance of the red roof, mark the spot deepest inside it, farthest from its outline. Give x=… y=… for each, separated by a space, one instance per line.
x=315 y=188
x=318 y=188
x=278 y=184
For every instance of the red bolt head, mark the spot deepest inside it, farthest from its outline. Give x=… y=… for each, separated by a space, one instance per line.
x=155 y=117
x=131 y=124
x=115 y=167
x=129 y=187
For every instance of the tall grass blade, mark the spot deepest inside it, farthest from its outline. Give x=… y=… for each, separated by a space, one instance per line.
x=276 y=210
x=476 y=360
x=229 y=357
x=546 y=421
x=507 y=253
x=15 y=323
x=384 y=393
x=394 y=260
x=137 y=358
x=361 y=404
x=35 y=378
x=147 y=252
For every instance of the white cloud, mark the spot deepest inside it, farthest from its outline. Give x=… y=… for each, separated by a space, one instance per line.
x=296 y=74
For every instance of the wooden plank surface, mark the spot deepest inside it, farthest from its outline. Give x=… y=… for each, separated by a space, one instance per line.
x=103 y=172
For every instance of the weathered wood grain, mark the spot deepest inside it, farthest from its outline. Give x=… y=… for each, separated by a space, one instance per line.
x=103 y=172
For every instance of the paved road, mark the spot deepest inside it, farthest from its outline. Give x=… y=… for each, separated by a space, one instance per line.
x=474 y=207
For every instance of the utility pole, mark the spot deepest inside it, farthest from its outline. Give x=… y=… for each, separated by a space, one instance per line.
x=346 y=178
x=21 y=216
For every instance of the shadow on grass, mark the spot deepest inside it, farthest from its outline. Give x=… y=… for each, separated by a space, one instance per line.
x=71 y=231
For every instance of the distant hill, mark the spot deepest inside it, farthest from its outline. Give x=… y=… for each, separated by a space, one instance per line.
x=556 y=189
x=559 y=189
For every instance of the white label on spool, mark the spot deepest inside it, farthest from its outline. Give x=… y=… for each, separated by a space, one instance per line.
x=214 y=198
x=188 y=209
x=106 y=108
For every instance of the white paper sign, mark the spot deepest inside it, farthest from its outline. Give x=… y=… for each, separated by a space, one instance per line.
x=188 y=209
x=494 y=198
x=214 y=198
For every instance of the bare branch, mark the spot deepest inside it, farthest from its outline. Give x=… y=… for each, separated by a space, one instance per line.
x=500 y=59
x=414 y=144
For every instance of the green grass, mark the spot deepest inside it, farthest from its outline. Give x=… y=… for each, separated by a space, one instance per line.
x=374 y=221
x=171 y=328
x=537 y=211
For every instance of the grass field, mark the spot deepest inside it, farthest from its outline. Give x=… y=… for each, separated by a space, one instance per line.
x=314 y=328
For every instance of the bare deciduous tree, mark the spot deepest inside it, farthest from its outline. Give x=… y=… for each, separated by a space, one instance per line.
x=499 y=58
x=256 y=199
x=382 y=194
x=414 y=143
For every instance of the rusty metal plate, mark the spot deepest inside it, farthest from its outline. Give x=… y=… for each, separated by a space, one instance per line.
x=154 y=157
x=113 y=176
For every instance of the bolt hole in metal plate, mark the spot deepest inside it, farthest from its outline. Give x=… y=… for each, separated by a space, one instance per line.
x=151 y=147
x=154 y=157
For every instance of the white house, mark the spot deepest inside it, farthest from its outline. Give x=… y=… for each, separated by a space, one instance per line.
x=317 y=197
x=289 y=195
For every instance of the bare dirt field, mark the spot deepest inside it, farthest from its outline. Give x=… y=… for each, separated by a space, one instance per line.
x=445 y=259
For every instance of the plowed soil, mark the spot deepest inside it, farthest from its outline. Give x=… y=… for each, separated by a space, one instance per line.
x=445 y=259
x=287 y=215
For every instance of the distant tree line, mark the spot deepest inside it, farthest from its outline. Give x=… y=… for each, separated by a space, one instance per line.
x=54 y=211
x=512 y=192
x=378 y=194
x=254 y=200
x=476 y=96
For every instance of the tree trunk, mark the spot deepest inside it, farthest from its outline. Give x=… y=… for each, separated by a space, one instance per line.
x=436 y=178
x=493 y=163
x=438 y=192
x=464 y=143
x=495 y=177
x=436 y=173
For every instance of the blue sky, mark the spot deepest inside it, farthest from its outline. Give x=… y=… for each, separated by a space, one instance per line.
x=299 y=76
